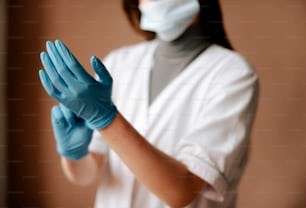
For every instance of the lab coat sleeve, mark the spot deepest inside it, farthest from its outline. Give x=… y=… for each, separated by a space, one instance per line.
x=97 y=144
x=216 y=147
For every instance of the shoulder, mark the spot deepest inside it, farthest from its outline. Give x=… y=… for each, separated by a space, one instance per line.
x=228 y=60
x=225 y=70
x=221 y=65
x=124 y=62
x=129 y=53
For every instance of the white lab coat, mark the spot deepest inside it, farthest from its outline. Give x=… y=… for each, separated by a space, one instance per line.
x=202 y=118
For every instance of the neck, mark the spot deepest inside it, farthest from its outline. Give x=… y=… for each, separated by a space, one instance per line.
x=191 y=40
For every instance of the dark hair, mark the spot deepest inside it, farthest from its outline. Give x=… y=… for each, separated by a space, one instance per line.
x=210 y=20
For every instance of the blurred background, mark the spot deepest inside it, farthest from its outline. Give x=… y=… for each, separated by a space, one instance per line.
x=271 y=34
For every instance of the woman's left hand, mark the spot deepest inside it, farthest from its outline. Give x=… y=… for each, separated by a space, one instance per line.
x=67 y=81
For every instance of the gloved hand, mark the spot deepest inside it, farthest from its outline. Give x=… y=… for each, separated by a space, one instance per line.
x=71 y=133
x=67 y=81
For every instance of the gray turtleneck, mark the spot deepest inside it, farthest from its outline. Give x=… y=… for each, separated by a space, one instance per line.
x=171 y=58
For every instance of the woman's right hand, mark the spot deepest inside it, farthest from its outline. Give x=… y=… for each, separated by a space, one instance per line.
x=71 y=133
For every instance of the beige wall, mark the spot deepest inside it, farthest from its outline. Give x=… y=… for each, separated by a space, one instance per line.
x=271 y=34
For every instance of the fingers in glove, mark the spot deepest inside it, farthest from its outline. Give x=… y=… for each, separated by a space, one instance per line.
x=60 y=66
x=58 y=118
x=48 y=86
x=68 y=114
x=51 y=71
x=99 y=68
x=72 y=63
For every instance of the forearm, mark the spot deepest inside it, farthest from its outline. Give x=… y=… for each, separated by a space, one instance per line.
x=84 y=171
x=167 y=178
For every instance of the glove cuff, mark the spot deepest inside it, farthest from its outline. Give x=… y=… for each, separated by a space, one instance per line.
x=103 y=121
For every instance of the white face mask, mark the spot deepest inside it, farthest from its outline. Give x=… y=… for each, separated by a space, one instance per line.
x=169 y=19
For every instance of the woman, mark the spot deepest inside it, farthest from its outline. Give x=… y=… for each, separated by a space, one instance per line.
x=172 y=116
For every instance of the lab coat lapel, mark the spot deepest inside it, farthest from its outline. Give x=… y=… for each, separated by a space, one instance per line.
x=144 y=85
x=164 y=104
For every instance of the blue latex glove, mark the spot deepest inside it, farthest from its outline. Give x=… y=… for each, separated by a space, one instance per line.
x=67 y=81
x=71 y=133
